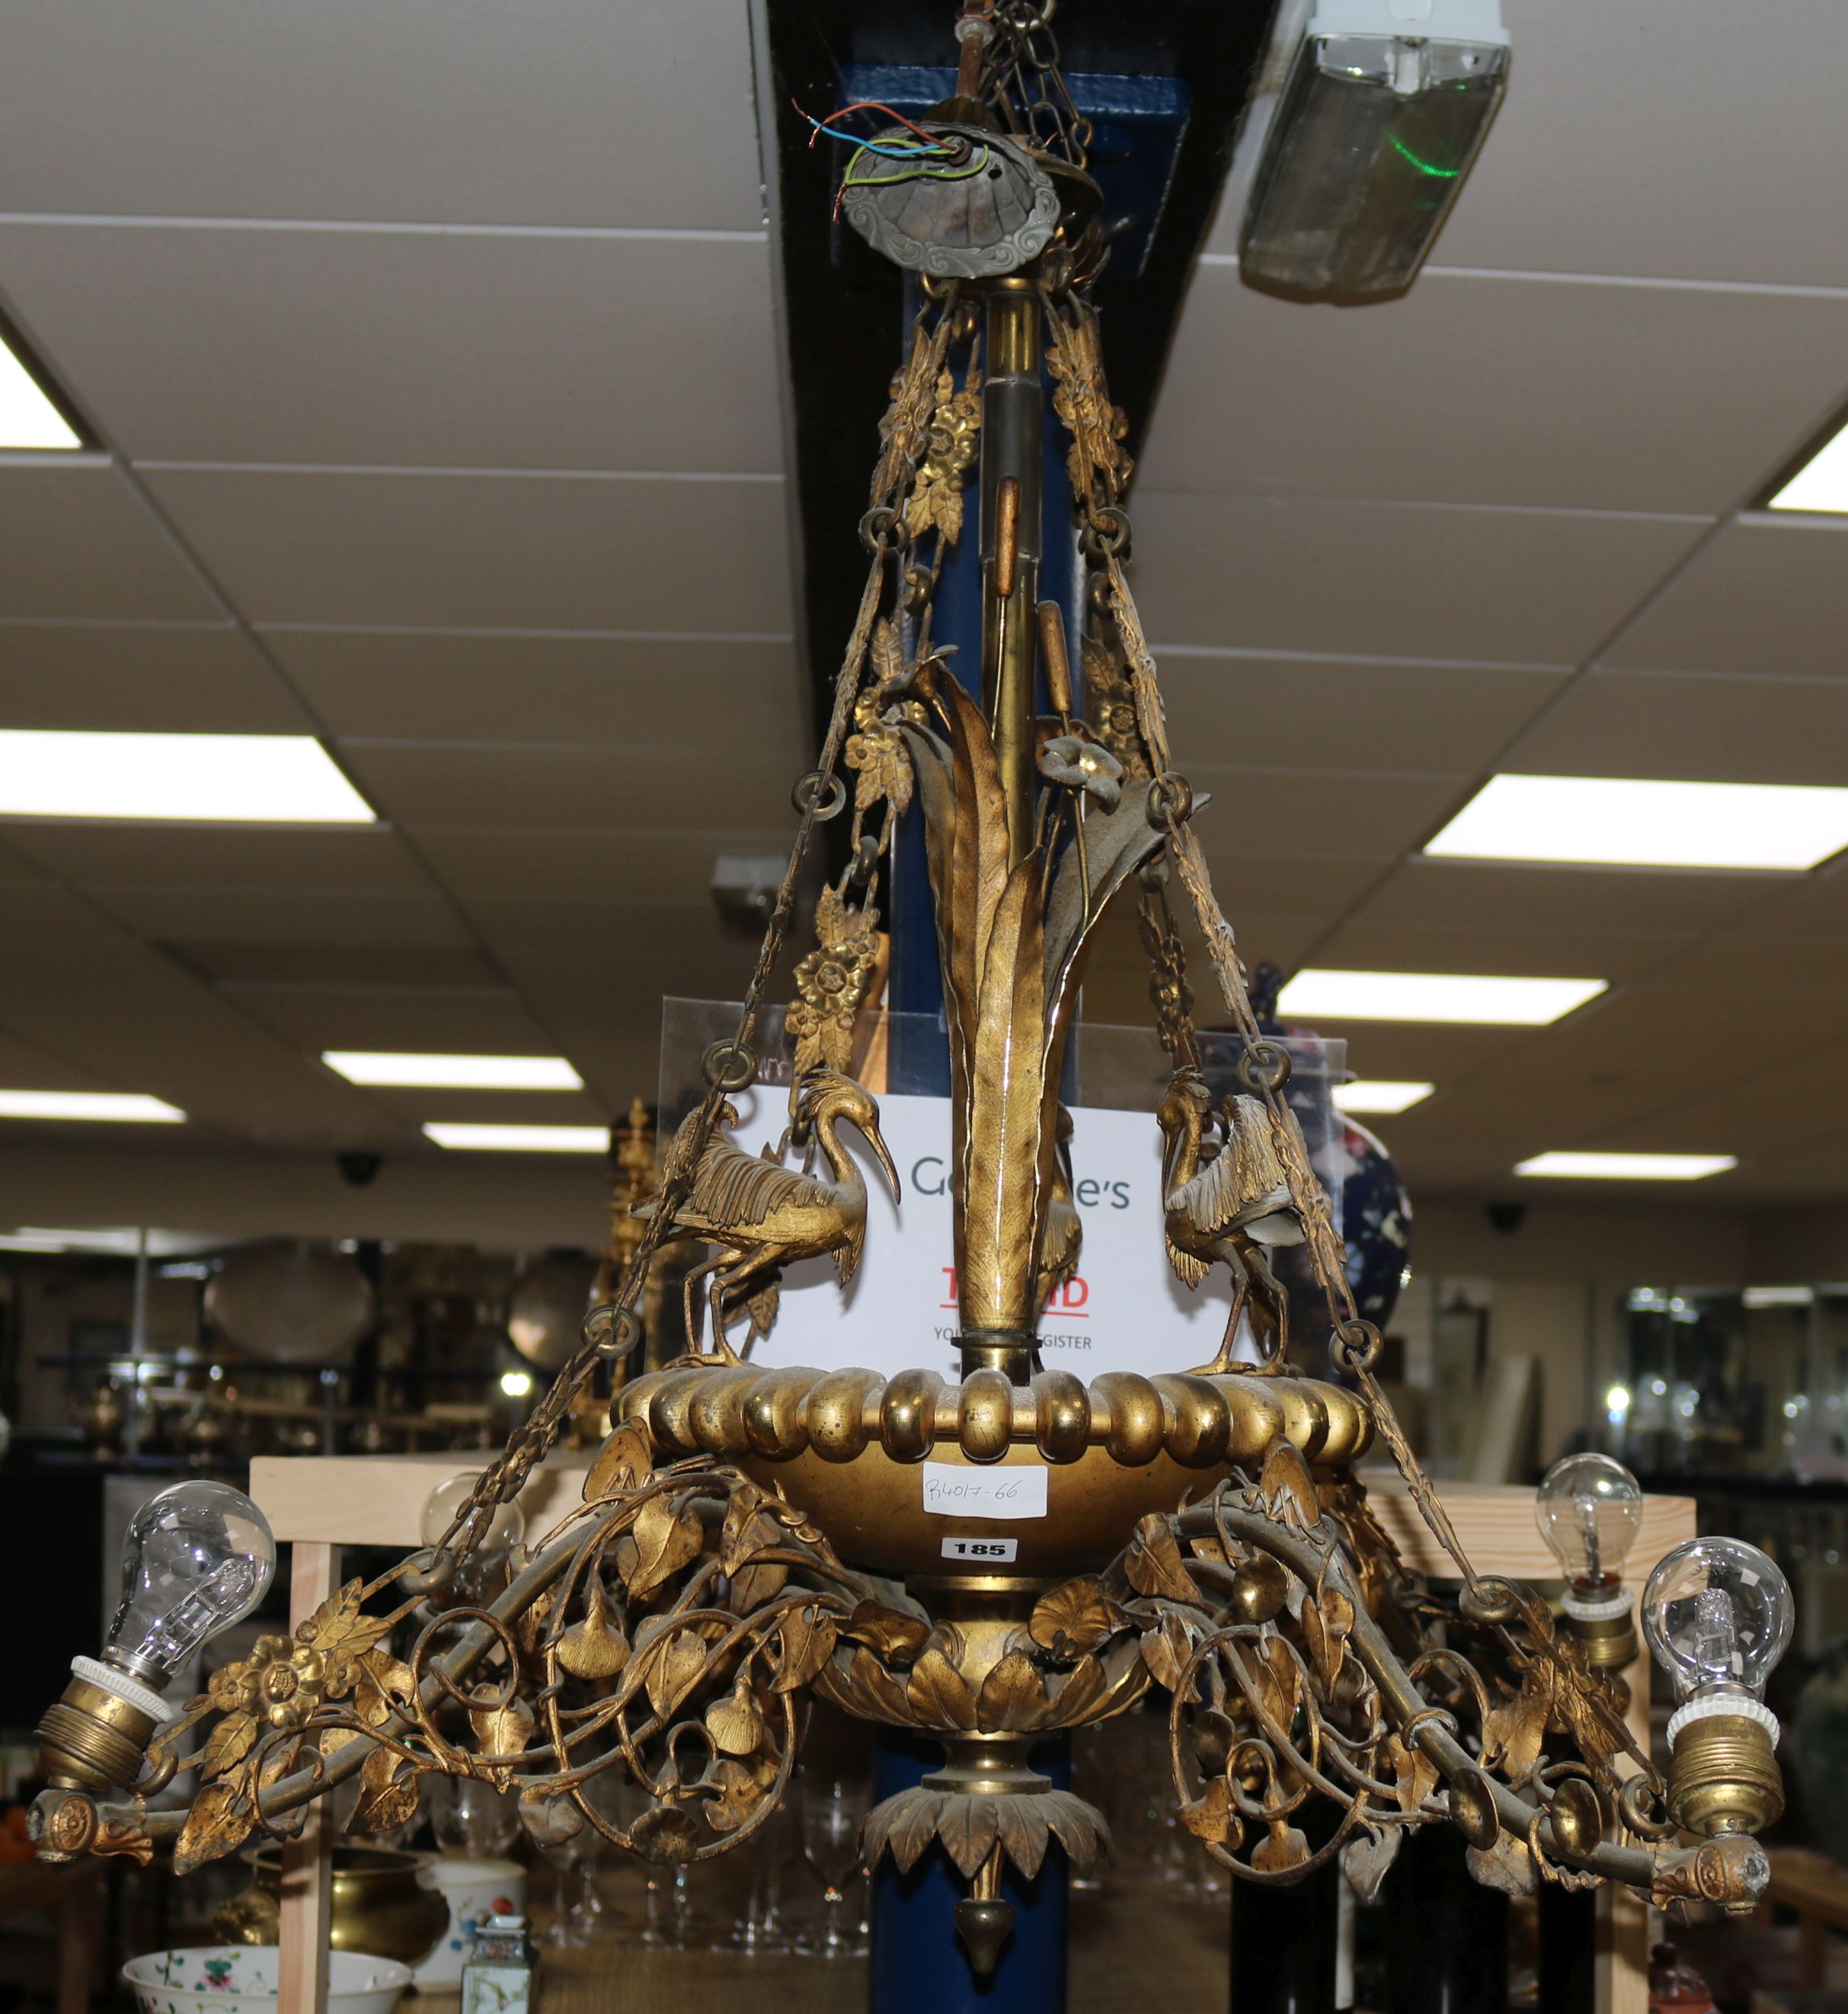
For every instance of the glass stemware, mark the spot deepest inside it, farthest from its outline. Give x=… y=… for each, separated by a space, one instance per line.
x=576 y=1904
x=472 y=1818
x=760 y=1932
x=831 y=1811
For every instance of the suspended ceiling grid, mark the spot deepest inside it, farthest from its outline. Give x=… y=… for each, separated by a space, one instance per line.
x=432 y=347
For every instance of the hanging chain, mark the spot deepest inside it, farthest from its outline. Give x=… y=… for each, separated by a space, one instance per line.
x=614 y=1330
x=1099 y=469
x=1023 y=84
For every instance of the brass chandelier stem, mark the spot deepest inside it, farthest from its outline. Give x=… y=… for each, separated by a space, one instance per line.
x=1013 y=514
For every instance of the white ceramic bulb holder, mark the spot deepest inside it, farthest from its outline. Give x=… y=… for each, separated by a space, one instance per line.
x=144 y=1699
x=1597 y=1608
x=1706 y=1706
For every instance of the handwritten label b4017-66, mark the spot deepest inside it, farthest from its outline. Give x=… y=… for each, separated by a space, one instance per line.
x=951 y=1491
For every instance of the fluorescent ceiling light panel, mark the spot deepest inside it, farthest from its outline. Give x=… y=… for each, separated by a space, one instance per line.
x=520 y=1139
x=1780 y=1297
x=1380 y=1094
x=28 y=419
x=453 y=1073
x=133 y=1106
x=1821 y=484
x=31 y=1238
x=1629 y=1168
x=1434 y=996
x=1619 y=821
x=244 y=779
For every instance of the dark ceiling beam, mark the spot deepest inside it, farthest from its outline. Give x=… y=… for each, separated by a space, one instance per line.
x=842 y=303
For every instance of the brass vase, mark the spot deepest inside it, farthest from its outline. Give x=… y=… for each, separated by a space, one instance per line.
x=379 y=1906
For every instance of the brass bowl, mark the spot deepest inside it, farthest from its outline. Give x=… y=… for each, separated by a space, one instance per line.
x=380 y=1908
x=850 y=1448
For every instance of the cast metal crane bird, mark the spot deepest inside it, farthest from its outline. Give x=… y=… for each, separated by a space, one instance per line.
x=1224 y=1203
x=763 y=1216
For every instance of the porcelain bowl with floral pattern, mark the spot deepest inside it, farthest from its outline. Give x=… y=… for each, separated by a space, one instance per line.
x=240 y=1979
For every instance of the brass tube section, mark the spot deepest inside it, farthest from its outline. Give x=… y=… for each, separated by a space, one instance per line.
x=1006 y=539
x=1053 y=658
x=1013 y=485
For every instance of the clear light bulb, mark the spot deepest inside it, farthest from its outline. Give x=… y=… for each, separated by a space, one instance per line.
x=1589 y=1509
x=508 y=1526
x=1717 y=1614
x=197 y=1558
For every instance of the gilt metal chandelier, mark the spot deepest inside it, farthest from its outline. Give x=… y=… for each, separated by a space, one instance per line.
x=751 y=1537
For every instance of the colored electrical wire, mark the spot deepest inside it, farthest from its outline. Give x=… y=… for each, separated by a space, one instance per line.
x=927 y=143
x=850 y=180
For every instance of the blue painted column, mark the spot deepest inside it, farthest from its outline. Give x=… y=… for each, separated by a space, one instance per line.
x=919 y=1964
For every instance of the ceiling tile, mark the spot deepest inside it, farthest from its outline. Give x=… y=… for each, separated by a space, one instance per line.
x=140 y=680
x=1495 y=896
x=1365 y=946
x=478 y=1021
x=27 y=1066
x=1491 y=390
x=323 y=919
x=562 y=787
x=1347 y=713
x=1764 y=597
x=76 y=543
x=34 y=914
x=1287 y=884
x=1691 y=1012
x=1346 y=812
x=504 y=1108
x=436 y=350
x=558 y=112
x=492 y=552
x=642 y=958
x=231 y=963
x=1811 y=907
x=1799 y=1174
x=202 y=857
x=642 y=691
x=138 y=1021
x=1789 y=1105
x=671 y=866
x=1700 y=729
x=1267 y=573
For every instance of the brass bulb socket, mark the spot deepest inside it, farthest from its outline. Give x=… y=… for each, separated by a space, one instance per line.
x=92 y=1739
x=1607 y=1641
x=1724 y=1777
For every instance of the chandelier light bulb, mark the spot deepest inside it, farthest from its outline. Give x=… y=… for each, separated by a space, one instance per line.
x=1589 y=1509
x=508 y=1526
x=1717 y=1614
x=198 y=1557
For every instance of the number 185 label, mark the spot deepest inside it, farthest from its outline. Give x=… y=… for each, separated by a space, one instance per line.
x=998 y=1552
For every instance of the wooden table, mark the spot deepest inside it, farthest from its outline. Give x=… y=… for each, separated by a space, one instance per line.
x=317 y=1504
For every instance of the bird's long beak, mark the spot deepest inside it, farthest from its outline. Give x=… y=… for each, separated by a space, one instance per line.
x=885 y=1160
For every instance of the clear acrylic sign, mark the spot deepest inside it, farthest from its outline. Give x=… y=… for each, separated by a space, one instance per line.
x=1123 y=1310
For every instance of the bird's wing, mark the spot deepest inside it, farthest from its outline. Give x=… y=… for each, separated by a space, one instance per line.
x=847 y=1254
x=1187 y=1267
x=733 y=1190
x=1209 y=1201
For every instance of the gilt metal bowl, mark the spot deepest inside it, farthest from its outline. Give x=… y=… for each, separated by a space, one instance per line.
x=876 y=1463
